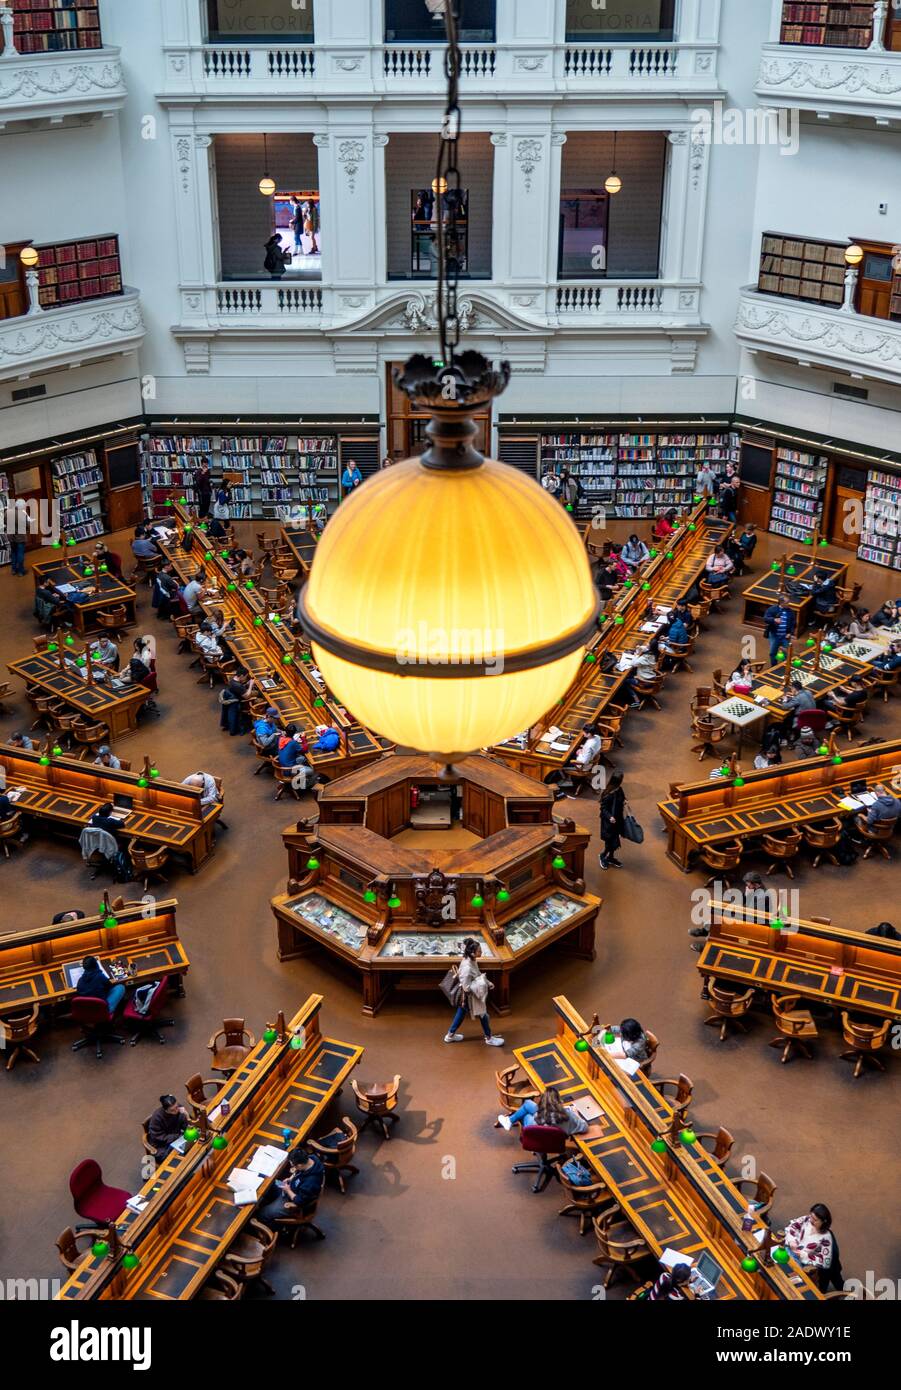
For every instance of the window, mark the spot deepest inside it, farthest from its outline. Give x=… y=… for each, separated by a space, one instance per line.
x=297 y=226
x=424 y=219
x=619 y=21
x=412 y=21
x=412 y=207
x=259 y=21
x=616 y=236
x=583 y=233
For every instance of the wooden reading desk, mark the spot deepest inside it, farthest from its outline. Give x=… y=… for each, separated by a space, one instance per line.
x=104 y=699
x=66 y=793
x=668 y=576
x=822 y=673
x=190 y=1219
x=33 y=960
x=770 y=587
x=301 y=541
x=699 y=814
x=102 y=591
x=680 y=1199
x=264 y=646
x=823 y=963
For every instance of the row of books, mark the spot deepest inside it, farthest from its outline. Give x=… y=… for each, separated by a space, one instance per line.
x=274 y=470
x=612 y=467
x=798 y=490
x=880 y=540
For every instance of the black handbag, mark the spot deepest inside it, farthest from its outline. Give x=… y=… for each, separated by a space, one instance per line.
x=451 y=988
x=632 y=831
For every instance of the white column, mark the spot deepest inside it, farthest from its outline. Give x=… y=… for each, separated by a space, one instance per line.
x=880 y=14
x=532 y=163
x=521 y=21
x=775 y=21
x=7 y=19
x=32 y=284
x=348 y=159
x=674 y=209
x=698 y=21
x=351 y=22
x=852 y=275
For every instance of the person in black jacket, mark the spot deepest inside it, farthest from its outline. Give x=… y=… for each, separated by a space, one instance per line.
x=299 y=1191
x=103 y=819
x=779 y=625
x=167 y=1123
x=613 y=811
x=93 y=984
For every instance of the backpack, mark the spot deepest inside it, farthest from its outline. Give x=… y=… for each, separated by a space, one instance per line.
x=845 y=850
x=576 y=1173
x=122 y=870
x=143 y=995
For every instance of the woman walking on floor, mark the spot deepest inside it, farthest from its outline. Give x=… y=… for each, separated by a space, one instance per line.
x=475 y=987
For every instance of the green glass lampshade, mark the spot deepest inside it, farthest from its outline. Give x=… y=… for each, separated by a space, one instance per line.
x=654 y=554
x=558 y=862
x=188 y=529
x=781 y=1255
x=827 y=646
x=258 y=622
x=70 y=541
x=142 y=782
x=503 y=896
x=296 y=1043
x=627 y=584
x=739 y=782
x=808 y=540
x=811 y=642
x=56 y=751
x=70 y=641
x=130 y=1261
x=318 y=702
x=692 y=526
x=312 y=862
x=231 y=587
x=394 y=903
x=249 y=584
x=276 y=619
x=823 y=750
x=774 y=566
x=154 y=772
x=307 y=658
x=44 y=761
x=110 y=922
x=477 y=901
x=220 y=1142
x=618 y=620
x=669 y=554
x=569 y=506
x=791 y=570
x=688 y=1136
x=658 y=1146
x=796 y=661
x=104 y=569
x=823 y=544
x=750 y=1265
x=287 y=659
x=208 y=555
x=57 y=545
x=581 y=1045
x=88 y=572
x=270 y=1035
x=697 y=498
x=590 y=658
x=609 y=1038
x=100 y=1249
x=81 y=661
x=369 y=896
x=837 y=760
x=52 y=647
x=646 y=586
x=183 y=501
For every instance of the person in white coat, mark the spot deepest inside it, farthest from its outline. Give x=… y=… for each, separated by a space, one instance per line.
x=475 y=988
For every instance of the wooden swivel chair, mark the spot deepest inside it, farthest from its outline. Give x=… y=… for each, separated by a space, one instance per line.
x=719 y=1144
x=147 y=863
x=221 y=1288
x=707 y=733
x=17 y=1033
x=794 y=1024
x=11 y=832
x=848 y=595
x=337 y=1155
x=728 y=1007
x=678 y=1091
x=760 y=1191
x=865 y=1039
x=513 y=1087
x=646 y=692
x=620 y=1247
x=884 y=681
x=113 y=620
x=714 y=594
x=782 y=849
x=378 y=1105
x=246 y=1258
x=877 y=835
x=89 y=736
x=678 y=653
x=822 y=839
x=198 y=1100
x=702 y=699
x=586 y=1200
x=848 y=719
x=298 y=1222
x=722 y=862
x=6 y=692
x=581 y=777
x=653 y=1047
x=67 y=1244
x=230 y=1045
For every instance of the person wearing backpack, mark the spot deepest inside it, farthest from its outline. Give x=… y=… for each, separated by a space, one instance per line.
x=474 y=999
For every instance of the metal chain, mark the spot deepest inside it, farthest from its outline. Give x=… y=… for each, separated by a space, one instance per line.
x=449 y=196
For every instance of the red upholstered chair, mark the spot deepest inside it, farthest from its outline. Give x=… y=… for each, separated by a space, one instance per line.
x=148 y=1025
x=549 y=1143
x=96 y=1022
x=98 y=1203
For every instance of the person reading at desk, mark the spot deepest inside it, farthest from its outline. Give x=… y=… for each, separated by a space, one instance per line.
x=291 y=744
x=672 y=1285
x=144 y=547
x=206 y=640
x=106 y=653
x=103 y=819
x=299 y=1191
x=800 y=699
x=888 y=615
x=21 y=741
x=890 y=659
x=861 y=626
x=234 y=719
x=94 y=984
x=51 y=608
x=266 y=731
x=641 y=665
x=7 y=811
x=741 y=682
x=809 y=1238
x=822 y=591
x=835 y=632
x=630 y=1040
x=207 y=784
x=106 y=757
x=548 y=1109
x=768 y=757
x=164 y=596
x=665 y=525
x=719 y=568
x=193 y=591
x=635 y=552
x=848 y=697
x=885 y=807
x=167 y=1123
x=104 y=556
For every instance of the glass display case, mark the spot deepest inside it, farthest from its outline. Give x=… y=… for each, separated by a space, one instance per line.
x=330 y=918
x=410 y=945
x=539 y=920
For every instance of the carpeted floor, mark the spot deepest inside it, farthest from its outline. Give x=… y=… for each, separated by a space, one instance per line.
x=436 y=1213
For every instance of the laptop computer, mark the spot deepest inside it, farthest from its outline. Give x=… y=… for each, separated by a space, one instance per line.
x=705 y=1276
x=588 y=1108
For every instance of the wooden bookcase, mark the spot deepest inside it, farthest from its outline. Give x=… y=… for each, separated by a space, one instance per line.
x=880 y=540
x=831 y=24
x=802 y=268
x=74 y=271
x=55 y=26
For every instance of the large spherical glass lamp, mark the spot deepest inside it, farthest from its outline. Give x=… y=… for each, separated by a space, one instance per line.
x=29 y=257
x=854 y=255
x=451 y=599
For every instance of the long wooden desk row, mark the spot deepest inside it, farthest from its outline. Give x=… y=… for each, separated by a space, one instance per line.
x=680 y=1199
x=268 y=651
x=668 y=576
x=95 y=591
x=105 y=698
x=826 y=964
x=65 y=793
x=786 y=580
x=301 y=542
x=712 y=813
x=821 y=673
x=190 y=1219
x=33 y=960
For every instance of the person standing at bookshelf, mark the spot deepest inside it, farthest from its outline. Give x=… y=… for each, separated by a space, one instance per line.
x=706 y=481
x=351 y=478
x=203 y=486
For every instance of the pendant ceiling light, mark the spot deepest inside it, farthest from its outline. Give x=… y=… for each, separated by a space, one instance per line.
x=613 y=183
x=267 y=184
x=450 y=600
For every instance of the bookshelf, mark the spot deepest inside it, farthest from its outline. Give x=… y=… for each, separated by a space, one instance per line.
x=798 y=490
x=271 y=476
x=71 y=272
x=55 y=26
x=832 y=24
x=4 y=503
x=880 y=539
x=77 y=489
x=894 y=311
x=798 y=268
x=639 y=475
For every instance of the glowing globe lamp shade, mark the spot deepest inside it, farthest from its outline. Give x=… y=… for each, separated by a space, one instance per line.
x=267 y=186
x=854 y=254
x=29 y=257
x=436 y=626
x=613 y=184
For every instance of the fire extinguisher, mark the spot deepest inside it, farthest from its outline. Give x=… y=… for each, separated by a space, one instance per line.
x=414 y=798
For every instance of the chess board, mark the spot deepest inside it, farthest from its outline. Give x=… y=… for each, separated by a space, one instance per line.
x=737 y=711
x=860 y=651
